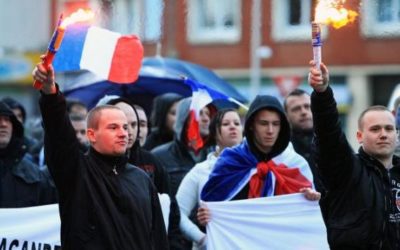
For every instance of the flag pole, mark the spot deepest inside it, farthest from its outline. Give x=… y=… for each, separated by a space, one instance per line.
x=238 y=103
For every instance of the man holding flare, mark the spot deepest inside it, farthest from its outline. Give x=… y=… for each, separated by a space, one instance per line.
x=105 y=203
x=361 y=206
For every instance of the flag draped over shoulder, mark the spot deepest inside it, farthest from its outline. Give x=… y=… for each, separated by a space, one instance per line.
x=201 y=97
x=236 y=166
x=107 y=54
x=285 y=222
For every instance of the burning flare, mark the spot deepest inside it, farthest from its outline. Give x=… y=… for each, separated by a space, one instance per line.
x=333 y=12
x=80 y=15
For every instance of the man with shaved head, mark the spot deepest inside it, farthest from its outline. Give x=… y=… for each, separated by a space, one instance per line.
x=361 y=207
x=105 y=202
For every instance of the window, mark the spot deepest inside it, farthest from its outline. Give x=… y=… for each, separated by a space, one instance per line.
x=381 y=18
x=211 y=21
x=140 y=17
x=291 y=20
x=24 y=26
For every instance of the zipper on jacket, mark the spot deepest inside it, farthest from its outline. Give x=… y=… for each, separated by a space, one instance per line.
x=115 y=170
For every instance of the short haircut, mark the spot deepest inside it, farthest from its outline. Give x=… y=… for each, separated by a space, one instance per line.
x=296 y=92
x=76 y=118
x=94 y=115
x=74 y=102
x=372 y=108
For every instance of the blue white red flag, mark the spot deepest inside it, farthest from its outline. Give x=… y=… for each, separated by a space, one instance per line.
x=201 y=97
x=107 y=54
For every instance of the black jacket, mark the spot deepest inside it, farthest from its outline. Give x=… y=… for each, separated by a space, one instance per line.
x=303 y=144
x=176 y=157
x=22 y=183
x=98 y=208
x=153 y=167
x=359 y=208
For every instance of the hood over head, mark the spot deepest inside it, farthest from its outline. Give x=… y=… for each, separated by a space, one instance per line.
x=161 y=106
x=18 y=130
x=262 y=102
x=182 y=115
x=14 y=104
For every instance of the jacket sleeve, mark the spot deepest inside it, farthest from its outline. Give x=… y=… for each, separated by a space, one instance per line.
x=333 y=155
x=187 y=197
x=161 y=178
x=60 y=142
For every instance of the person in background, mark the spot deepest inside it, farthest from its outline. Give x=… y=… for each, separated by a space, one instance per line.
x=396 y=113
x=17 y=108
x=163 y=116
x=297 y=105
x=180 y=155
x=22 y=183
x=19 y=111
x=225 y=131
x=76 y=107
x=105 y=202
x=361 y=207
x=143 y=124
x=79 y=124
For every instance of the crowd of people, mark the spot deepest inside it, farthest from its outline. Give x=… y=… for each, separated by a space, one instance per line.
x=108 y=167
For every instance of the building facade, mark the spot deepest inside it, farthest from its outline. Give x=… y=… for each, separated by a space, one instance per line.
x=260 y=46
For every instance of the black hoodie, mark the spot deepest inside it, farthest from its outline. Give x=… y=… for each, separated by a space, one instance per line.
x=22 y=183
x=160 y=134
x=267 y=102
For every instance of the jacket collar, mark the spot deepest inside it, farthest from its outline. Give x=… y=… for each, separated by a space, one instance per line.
x=374 y=162
x=108 y=163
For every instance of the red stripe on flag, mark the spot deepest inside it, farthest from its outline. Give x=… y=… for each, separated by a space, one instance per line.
x=193 y=133
x=127 y=60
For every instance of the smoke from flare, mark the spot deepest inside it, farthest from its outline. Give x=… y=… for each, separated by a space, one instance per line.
x=80 y=15
x=332 y=12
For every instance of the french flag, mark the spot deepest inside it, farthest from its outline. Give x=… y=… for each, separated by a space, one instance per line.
x=109 y=55
x=201 y=97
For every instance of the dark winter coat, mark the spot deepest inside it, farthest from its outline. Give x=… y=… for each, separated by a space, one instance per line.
x=99 y=209
x=22 y=183
x=361 y=208
x=303 y=144
x=176 y=157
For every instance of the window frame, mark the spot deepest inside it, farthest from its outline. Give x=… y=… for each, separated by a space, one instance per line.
x=136 y=19
x=195 y=34
x=371 y=28
x=282 y=31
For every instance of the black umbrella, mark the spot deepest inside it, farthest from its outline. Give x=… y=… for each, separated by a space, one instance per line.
x=158 y=75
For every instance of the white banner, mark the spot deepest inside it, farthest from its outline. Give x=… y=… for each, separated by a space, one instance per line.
x=38 y=228
x=30 y=228
x=285 y=222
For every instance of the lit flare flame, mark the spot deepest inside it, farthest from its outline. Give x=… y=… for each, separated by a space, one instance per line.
x=332 y=12
x=80 y=15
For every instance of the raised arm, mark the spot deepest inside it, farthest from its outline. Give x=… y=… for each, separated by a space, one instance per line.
x=60 y=142
x=334 y=153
